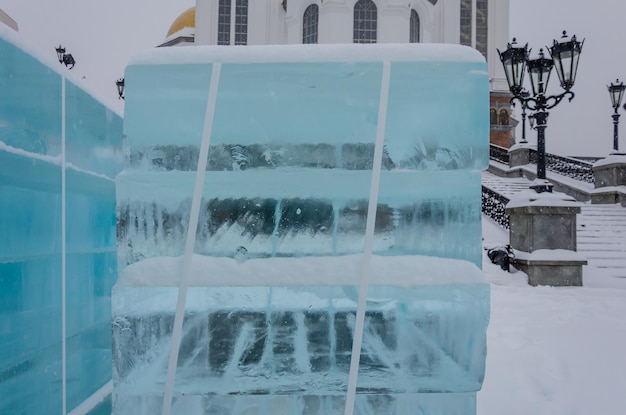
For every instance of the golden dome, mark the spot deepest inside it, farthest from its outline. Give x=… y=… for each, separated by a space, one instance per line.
x=186 y=19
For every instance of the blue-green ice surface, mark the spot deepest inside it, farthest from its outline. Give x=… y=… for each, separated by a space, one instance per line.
x=286 y=187
x=31 y=252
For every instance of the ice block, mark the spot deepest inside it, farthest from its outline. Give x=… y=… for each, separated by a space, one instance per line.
x=274 y=278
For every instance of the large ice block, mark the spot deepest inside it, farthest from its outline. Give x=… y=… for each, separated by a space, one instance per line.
x=257 y=328
x=282 y=227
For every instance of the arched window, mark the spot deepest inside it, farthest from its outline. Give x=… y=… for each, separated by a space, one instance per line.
x=493 y=116
x=482 y=9
x=310 y=23
x=476 y=36
x=466 y=23
x=414 y=35
x=365 y=20
x=224 y=15
x=504 y=117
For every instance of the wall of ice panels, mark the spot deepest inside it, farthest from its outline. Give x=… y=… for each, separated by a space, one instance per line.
x=57 y=227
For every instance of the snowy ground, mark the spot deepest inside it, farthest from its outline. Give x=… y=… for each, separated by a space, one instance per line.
x=551 y=350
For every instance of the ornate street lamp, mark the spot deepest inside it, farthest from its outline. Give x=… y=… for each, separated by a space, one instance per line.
x=514 y=60
x=120 y=88
x=564 y=57
x=65 y=58
x=616 y=90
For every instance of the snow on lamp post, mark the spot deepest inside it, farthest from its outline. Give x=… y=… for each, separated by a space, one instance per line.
x=564 y=58
x=616 y=91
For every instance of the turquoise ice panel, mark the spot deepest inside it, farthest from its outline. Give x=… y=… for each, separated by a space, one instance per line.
x=93 y=133
x=91 y=272
x=30 y=109
x=30 y=223
x=290 y=114
x=30 y=286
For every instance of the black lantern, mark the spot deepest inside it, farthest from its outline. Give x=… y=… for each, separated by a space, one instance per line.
x=69 y=61
x=616 y=91
x=120 y=88
x=60 y=53
x=65 y=58
x=514 y=61
x=539 y=70
x=565 y=55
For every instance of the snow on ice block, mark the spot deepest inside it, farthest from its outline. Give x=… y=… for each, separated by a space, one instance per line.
x=269 y=318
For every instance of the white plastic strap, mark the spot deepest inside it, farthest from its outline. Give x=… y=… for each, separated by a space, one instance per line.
x=63 y=259
x=191 y=238
x=369 y=238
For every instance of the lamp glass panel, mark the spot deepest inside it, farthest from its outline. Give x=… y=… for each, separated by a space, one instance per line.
x=617 y=93
x=508 y=71
x=519 y=69
x=535 y=78
x=575 y=57
x=564 y=67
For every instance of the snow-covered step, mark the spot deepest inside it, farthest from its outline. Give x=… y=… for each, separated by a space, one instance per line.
x=505 y=186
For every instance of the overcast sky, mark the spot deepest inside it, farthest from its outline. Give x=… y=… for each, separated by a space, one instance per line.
x=102 y=35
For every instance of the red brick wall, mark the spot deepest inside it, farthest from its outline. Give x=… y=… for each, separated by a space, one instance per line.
x=500 y=135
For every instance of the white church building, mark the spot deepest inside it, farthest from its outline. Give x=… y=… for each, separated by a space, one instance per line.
x=481 y=24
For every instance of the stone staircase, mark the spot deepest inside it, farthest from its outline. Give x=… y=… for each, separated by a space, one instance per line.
x=601 y=229
x=601 y=237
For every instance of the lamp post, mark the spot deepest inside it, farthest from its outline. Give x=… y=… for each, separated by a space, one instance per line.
x=564 y=56
x=524 y=94
x=616 y=91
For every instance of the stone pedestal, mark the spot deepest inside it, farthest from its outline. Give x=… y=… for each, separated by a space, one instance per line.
x=519 y=155
x=563 y=270
x=610 y=180
x=543 y=233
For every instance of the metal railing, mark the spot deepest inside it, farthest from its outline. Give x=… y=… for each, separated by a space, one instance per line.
x=566 y=166
x=499 y=154
x=493 y=205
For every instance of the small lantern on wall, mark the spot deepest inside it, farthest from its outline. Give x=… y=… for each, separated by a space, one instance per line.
x=120 y=88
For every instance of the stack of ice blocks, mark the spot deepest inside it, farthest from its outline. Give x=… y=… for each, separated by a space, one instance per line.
x=279 y=247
